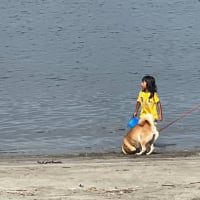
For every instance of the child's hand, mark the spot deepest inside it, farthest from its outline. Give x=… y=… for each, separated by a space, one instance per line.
x=160 y=118
x=134 y=114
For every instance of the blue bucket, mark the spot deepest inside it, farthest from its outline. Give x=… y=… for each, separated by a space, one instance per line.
x=133 y=121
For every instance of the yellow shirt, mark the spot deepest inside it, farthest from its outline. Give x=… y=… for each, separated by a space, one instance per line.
x=148 y=105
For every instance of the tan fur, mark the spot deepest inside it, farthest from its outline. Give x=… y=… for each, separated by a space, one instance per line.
x=142 y=136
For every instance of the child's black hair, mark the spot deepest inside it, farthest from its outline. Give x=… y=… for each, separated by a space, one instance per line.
x=151 y=84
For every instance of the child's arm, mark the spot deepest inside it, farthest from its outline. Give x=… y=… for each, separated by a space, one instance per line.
x=137 y=107
x=159 y=107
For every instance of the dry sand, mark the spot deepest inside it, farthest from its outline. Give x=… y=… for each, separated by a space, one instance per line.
x=101 y=176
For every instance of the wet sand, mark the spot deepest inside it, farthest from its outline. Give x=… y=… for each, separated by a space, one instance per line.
x=100 y=176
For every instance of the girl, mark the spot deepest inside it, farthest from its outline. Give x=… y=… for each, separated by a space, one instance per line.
x=148 y=99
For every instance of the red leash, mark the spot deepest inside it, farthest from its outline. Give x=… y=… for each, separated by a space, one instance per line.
x=180 y=117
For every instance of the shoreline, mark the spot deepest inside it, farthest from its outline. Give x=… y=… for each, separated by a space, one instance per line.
x=159 y=176
x=94 y=155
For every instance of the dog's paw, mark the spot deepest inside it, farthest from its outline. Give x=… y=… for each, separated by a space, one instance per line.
x=139 y=153
x=151 y=150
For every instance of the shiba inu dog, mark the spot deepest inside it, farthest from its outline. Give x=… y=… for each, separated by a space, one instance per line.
x=141 y=137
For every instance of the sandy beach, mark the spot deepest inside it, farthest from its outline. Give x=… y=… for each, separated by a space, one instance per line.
x=100 y=176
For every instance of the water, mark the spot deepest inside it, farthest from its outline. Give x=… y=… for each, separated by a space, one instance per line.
x=71 y=72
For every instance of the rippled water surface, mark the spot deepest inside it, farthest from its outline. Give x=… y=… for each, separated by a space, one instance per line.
x=71 y=72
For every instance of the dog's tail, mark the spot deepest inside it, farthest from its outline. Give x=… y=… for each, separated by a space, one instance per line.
x=146 y=118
